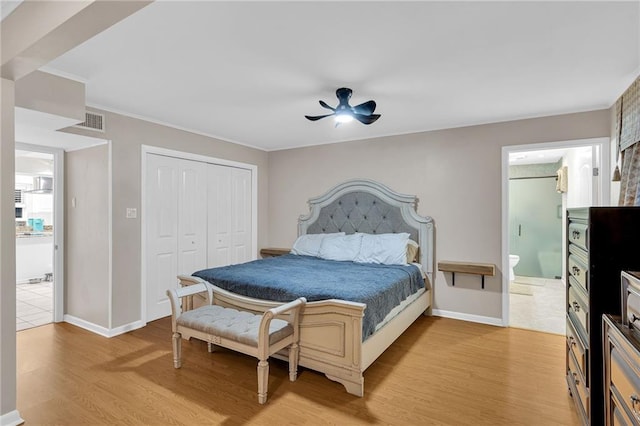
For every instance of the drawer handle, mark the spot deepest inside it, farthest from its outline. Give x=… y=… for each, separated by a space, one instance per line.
x=576 y=306
x=575 y=234
x=572 y=341
x=634 y=403
x=575 y=270
x=575 y=379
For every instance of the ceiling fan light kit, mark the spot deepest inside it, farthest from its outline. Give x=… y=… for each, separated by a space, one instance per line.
x=345 y=113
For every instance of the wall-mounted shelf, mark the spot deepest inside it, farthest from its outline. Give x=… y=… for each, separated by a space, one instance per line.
x=467 y=268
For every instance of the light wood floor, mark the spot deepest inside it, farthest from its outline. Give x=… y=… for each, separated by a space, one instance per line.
x=440 y=372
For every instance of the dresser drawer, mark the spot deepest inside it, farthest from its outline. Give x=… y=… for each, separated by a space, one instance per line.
x=633 y=310
x=576 y=347
x=579 y=271
x=577 y=234
x=618 y=416
x=578 y=308
x=625 y=383
x=577 y=385
x=631 y=301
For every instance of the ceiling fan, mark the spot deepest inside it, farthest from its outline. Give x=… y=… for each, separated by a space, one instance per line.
x=344 y=112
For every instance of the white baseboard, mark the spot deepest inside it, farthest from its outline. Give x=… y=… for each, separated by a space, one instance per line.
x=126 y=328
x=468 y=317
x=11 y=419
x=103 y=331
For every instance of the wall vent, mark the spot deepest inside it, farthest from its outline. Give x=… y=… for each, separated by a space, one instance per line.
x=92 y=121
x=18 y=196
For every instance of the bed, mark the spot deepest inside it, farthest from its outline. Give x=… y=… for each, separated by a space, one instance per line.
x=336 y=336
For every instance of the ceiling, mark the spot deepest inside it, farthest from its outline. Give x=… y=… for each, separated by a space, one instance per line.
x=248 y=72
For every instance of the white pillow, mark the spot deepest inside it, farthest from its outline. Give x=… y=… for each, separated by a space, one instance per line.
x=309 y=244
x=387 y=249
x=341 y=247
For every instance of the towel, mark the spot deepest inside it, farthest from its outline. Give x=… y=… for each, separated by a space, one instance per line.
x=561 y=180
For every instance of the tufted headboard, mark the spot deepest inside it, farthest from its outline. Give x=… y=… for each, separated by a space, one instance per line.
x=363 y=205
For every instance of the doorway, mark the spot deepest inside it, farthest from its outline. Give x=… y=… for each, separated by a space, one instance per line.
x=539 y=183
x=39 y=221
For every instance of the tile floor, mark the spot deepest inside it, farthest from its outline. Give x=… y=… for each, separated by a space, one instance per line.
x=34 y=304
x=542 y=310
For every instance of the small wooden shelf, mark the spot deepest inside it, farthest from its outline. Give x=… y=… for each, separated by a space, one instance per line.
x=467 y=268
x=272 y=251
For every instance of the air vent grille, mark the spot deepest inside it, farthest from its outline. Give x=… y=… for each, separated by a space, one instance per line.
x=18 y=196
x=92 y=121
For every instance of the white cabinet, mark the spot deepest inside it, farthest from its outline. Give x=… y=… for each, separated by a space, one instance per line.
x=34 y=257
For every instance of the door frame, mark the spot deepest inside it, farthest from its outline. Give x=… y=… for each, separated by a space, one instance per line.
x=58 y=223
x=149 y=149
x=601 y=158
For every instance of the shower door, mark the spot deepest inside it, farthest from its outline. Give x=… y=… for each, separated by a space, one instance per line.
x=535 y=227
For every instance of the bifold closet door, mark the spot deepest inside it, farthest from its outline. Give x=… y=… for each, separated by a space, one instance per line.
x=229 y=215
x=176 y=220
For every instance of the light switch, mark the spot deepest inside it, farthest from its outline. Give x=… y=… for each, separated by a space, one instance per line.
x=132 y=213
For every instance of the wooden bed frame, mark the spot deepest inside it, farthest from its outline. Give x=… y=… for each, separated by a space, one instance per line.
x=331 y=330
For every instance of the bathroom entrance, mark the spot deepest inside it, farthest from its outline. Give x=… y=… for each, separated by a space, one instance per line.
x=535 y=224
x=539 y=183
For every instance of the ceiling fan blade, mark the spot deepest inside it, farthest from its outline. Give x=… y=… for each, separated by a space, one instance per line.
x=327 y=106
x=317 y=117
x=366 y=119
x=366 y=108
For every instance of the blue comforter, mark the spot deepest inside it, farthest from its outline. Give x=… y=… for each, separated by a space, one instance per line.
x=284 y=278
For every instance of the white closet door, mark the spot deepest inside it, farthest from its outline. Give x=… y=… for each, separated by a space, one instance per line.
x=229 y=221
x=241 y=214
x=192 y=217
x=161 y=194
x=175 y=226
x=219 y=217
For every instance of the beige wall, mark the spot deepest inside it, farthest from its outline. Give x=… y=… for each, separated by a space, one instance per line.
x=7 y=254
x=87 y=235
x=127 y=135
x=51 y=94
x=456 y=174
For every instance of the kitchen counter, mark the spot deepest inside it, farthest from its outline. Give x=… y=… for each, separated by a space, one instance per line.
x=33 y=234
x=34 y=255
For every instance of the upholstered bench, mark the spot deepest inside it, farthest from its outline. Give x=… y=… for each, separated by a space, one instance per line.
x=257 y=335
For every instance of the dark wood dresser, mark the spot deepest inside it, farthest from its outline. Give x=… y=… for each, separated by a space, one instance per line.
x=622 y=356
x=601 y=242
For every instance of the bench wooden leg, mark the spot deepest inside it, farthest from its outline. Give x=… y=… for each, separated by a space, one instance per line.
x=211 y=347
x=177 y=350
x=293 y=362
x=263 y=380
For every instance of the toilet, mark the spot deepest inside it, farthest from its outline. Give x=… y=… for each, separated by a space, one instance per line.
x=513 y=261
